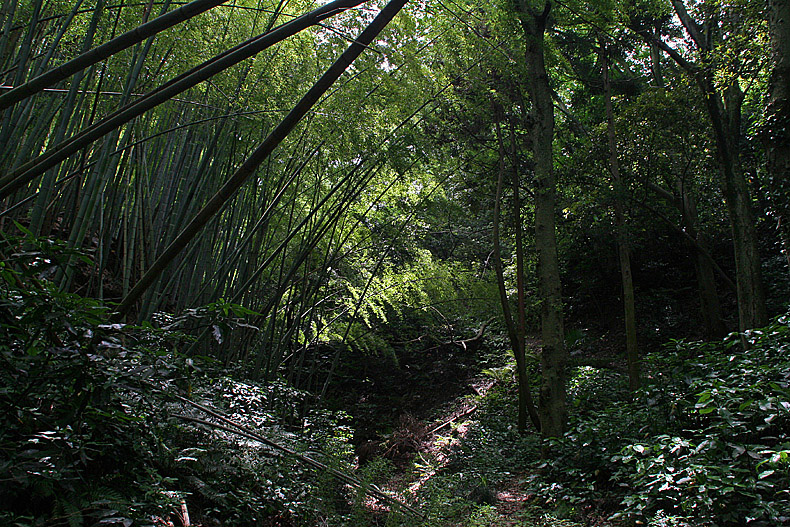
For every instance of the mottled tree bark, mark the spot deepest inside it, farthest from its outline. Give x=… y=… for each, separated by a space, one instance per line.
x=776 y=134
x=552 y=407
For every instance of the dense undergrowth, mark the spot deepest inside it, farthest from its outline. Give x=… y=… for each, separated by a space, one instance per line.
x=706 y=441
x=93 y=433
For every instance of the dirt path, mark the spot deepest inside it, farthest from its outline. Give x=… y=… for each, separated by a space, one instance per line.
x=433 y=444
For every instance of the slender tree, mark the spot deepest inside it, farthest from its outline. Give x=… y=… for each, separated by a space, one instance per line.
x=623 y=250
x=724 y=102
x=516 y=332
x=534 y=18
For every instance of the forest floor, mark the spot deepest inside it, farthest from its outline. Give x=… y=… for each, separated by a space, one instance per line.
x=505 y=503
x=435 y=449
x=427 y=415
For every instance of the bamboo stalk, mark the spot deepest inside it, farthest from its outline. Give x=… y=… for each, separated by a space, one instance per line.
x=58 y=153
x=97 y=54
x=219 y=199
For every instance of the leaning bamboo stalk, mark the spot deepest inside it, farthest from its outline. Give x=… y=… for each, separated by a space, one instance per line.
x=282 y=282
x=357 y=307
x=9 y=9
x=262 y=152
x=19 y=148
x=99 y=53
x=62 y=29
x=292 y=232
x=239 y=429
x=95 y=185
x=58 y=153
x=47 y=187
x=286 y=280
x=21 y=62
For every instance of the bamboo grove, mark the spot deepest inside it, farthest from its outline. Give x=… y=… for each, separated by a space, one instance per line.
x=120 y=165
x=233 y=161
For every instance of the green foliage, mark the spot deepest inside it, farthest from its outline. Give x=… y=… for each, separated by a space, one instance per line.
x=704 y=443
x=505 y=373
x=484 y=516
x=424 y=292
x=90 y=432
x=396 y=260
x=76 y=432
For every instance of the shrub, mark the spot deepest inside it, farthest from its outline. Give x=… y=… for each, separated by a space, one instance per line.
x=705 y=442
x=725 y=458
x=90 y=432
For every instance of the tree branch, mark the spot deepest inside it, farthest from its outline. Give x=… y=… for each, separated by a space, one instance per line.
x=650 y=38
x=694 y=30
x=239 y=429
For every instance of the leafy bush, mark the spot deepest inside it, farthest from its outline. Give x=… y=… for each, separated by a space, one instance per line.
x=705 y=442
x=91 y=433
x=725 y=458
x=76 y=429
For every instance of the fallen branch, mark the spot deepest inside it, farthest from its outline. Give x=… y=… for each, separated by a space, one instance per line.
x=474 y=340
x=239 y=429
x=447 y=423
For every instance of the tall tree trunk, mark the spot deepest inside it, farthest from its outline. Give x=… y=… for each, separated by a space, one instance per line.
x=623 y=251
x=752 y=311
x=776 y=134
x=710 y=307
x=724 y=111
x=552 y=408
x=526 y=405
